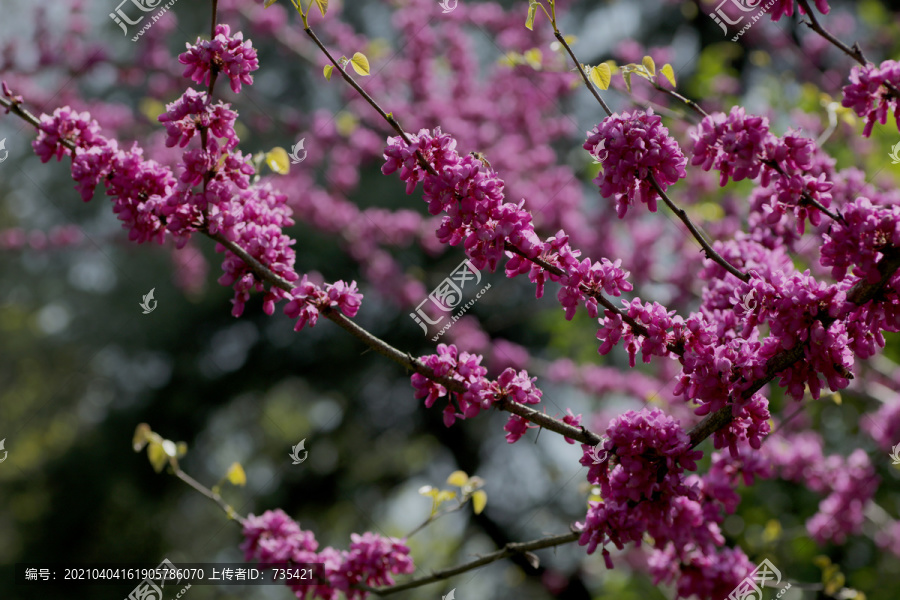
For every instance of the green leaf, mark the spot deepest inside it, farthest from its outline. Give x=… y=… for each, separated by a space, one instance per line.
x=601 y=76
x=532 y=13
x=236 y=474
x=458 y=478
x=141 y=437
x=626 y=75
x=278 y=160
x=157 y=456
x=649 y=65
x=327 y=72
x=360 y=63
x=323 y=6
x=269 y=3
x=479 y=501
x=668 y=73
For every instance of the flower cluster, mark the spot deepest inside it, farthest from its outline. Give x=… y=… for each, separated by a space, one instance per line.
x=193 y=113
x=223 y=54
x=740 y=146
x=152 y=202
x=308 y=299
x=472 y=197
x=480 y=392
x=274 y=537
x=849 y=483
x=730 y=144
x=642 y=484
x=873 y=93
x=470 y=194
x=65 y=125
x=631 y=148
x=861 y=239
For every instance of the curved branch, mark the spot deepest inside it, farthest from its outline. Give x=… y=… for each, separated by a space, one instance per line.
x=507 y=550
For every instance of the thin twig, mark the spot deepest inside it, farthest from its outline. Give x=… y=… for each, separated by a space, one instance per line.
x=215 y=497
x=507 y=550
x=707 y=248
x=696 y=107
x=587 y=81
x=855 y=52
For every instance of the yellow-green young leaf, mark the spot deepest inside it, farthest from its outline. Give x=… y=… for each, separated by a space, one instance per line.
x=157 y=456
x=533 y=58
x=346 y=123
x=458 y=478
x=278 y=161
x=444 y=495
x=479 y=500
x=180 y=449
x=269 y=3
x=151 y=108
x=141 y=436
x=837 y=398
x=649 y=65
x=668 y=73
x=360 y=63
x=236 y=474
x=323 y=6
x=772 y=531
x=626 y=75
x=327 y=72
x=532 y=12
x=601 y=76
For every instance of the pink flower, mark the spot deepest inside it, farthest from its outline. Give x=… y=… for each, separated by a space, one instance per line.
x=223 y=54
x=65 y=125
x=868 y=94
x=631 y=147
x=732 y=144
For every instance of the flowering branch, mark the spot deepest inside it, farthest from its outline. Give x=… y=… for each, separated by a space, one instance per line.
x=859 y=294
x=507 y=550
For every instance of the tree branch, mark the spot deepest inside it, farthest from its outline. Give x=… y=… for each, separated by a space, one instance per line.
x=507 y=550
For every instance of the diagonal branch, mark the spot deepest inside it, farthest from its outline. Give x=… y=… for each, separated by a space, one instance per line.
x=507 y=550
